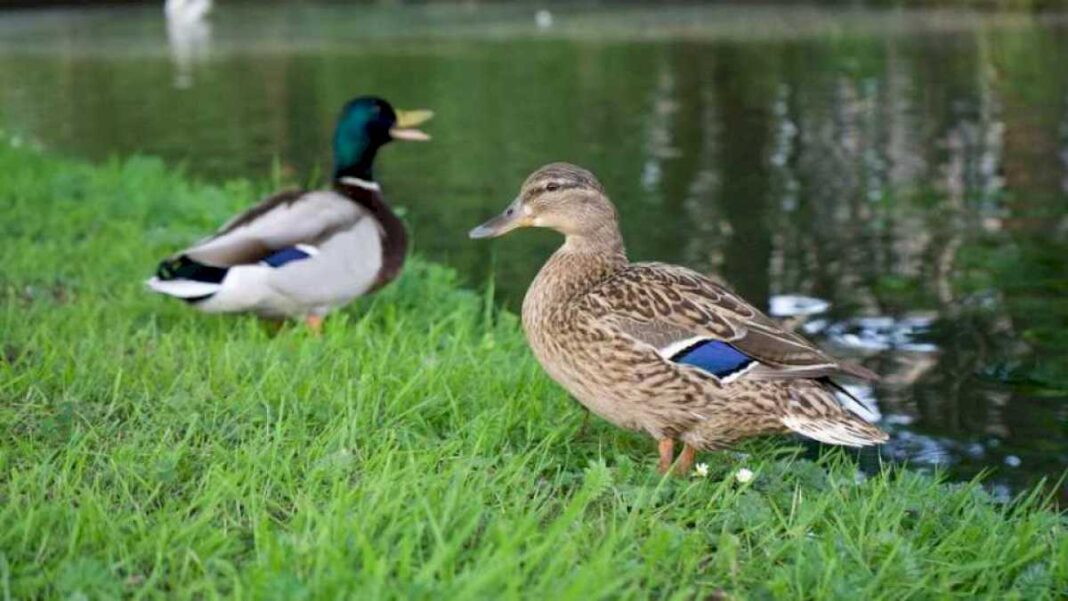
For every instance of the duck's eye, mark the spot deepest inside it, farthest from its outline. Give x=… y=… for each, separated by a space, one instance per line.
x=552 y=187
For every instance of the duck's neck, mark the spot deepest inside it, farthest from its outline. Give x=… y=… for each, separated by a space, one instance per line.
x=354 y=156
x=605 y=242
x=361 y=168
x=580 y=264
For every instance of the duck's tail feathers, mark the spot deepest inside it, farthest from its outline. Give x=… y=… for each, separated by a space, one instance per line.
x=814 y=412
x=858 y=371
x=867 y=412
x=187 y=279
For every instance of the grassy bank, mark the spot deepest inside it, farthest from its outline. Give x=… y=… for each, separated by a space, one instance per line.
x=415 y=451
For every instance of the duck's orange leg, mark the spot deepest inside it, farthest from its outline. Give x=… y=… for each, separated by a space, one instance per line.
x=685 y=460
x=315 y=324
x=667 y=454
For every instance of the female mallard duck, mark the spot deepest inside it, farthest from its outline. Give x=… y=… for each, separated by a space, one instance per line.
x=303 y=253
x=661 y=348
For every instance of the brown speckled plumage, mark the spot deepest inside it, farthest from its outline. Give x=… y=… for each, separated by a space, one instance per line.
x=599 y=325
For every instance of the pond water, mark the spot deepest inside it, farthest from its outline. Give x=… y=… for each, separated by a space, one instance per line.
x=906 y=171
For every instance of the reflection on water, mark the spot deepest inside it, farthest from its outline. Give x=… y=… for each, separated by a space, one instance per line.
x=189 y=37
x=895 y=182
x=794 y=305
x=869 y=335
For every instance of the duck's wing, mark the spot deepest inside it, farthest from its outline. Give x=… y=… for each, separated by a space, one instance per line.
x=689 y=318
x=279 y=228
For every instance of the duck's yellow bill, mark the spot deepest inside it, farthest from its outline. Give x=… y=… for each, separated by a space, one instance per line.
x=406 y=122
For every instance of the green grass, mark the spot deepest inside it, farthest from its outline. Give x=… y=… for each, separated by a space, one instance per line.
x=414 y=451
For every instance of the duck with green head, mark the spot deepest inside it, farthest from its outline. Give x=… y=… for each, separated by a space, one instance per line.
x=302 y=253
x=661 y=348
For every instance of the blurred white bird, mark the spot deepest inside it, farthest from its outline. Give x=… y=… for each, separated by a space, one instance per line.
x=794 y=305
x=186 y=10
x=188 y=35
x=544 y=19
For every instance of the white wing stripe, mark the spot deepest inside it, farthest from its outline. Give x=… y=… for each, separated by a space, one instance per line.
x=673 y=349
x=741 y=372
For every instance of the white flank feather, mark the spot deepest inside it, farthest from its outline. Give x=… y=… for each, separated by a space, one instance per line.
x=247 y=288
x=183 y=288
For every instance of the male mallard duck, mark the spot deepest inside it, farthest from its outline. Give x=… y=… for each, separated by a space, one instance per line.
x=661 y=348
x=303 y=253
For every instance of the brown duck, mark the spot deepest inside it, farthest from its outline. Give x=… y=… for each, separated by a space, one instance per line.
x=661 y=348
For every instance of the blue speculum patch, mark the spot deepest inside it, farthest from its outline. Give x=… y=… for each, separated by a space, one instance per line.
x=285 y=255
x=718 y=358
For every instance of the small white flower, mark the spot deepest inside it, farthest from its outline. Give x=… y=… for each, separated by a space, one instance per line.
x=701 y=469
x=743 y=475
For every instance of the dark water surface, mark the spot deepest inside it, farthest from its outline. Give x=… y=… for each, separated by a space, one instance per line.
x=910 y=169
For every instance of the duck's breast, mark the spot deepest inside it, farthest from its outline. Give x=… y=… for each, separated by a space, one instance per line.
x=588 y=365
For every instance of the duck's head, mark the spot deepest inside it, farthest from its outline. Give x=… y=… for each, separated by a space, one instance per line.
x=366 y=123
x=560 y=196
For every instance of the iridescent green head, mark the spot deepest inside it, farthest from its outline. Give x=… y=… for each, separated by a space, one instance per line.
x=365 y=124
